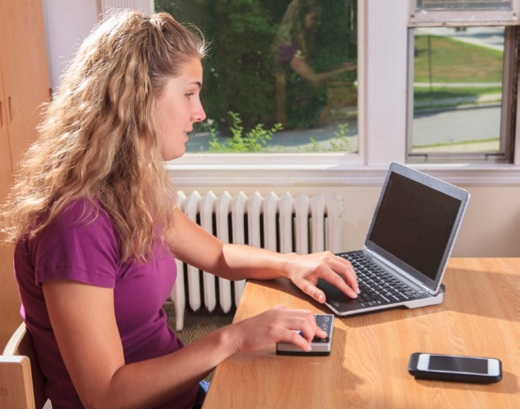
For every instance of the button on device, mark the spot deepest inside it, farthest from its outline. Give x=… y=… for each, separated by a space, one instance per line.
x=319 y=346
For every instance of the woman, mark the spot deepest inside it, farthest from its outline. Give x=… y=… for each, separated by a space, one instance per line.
x=96 y=228
x=300 y=94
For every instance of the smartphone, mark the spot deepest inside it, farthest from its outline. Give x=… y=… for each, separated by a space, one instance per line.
x=455 y=368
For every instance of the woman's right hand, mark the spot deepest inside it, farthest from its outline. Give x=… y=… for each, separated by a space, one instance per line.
x=275 y=325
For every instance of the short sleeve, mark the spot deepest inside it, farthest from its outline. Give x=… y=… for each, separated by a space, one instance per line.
x=286 y=52
x=80 y=244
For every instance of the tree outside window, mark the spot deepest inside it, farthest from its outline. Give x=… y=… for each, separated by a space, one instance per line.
x=281 y=76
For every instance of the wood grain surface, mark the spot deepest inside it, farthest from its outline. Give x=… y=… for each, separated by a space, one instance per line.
x=368 y=366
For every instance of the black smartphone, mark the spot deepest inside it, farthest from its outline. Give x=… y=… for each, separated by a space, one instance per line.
x=455 y=368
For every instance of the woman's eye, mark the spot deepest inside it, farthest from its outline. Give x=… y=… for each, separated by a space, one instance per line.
x=189 y=94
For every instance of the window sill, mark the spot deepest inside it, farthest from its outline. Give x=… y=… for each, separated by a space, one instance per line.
x=318 y=174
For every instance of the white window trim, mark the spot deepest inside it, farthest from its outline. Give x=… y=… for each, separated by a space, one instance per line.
x=382 y=101
x=438 y=18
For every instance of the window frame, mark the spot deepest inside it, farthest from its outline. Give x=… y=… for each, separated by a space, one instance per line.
x=508 y=109
x=382 y=122
x=460 y=18
x=370 y=150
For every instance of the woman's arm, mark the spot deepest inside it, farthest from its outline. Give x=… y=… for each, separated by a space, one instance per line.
x=193 y=245
x=85 y=327
x=304 y=70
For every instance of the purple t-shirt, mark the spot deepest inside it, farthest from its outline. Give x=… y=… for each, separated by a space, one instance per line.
x=286 y=52
x=82 y=247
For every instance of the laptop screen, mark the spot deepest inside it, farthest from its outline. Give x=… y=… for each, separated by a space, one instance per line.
x=416 y=222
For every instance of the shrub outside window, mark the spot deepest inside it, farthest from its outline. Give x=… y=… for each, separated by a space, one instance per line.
x=281 y=76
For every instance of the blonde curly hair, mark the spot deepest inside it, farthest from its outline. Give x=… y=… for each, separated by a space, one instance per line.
x=99 y=137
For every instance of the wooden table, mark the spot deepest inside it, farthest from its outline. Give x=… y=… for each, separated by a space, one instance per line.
x=368 y=366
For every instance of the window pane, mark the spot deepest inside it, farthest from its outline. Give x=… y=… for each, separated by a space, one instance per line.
x=274 y=62
x=464 y=4
x=457 y=89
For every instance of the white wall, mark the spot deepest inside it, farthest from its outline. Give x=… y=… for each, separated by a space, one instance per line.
x=67 y=23
x=492 y=224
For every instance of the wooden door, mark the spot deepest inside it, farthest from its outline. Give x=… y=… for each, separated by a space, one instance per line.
x=8 y=290
x=25 y=87
x=24 y=64
x=7 y=284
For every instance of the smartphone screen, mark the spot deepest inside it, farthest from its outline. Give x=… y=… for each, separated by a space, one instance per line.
x=458 y=364
x=455 y=368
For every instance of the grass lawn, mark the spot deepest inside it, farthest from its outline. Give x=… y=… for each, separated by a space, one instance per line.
x=455 y=61
x=439 y=93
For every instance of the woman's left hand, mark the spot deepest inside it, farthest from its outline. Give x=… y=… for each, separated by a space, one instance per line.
x=304 y=272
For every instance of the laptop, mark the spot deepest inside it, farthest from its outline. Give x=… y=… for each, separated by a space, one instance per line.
x=408 y=245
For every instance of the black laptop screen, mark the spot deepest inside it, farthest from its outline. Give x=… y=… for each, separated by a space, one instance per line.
x=414 y=223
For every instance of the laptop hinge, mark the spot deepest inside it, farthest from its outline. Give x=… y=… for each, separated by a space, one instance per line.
x=399 y=271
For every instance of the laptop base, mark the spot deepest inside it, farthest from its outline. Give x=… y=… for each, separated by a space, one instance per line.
x=341 y=305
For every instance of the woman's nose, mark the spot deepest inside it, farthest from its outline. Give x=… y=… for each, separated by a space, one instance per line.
x=199 y=115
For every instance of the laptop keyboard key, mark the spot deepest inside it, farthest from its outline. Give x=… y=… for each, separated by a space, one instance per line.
x=382 y=299
x=377 y=286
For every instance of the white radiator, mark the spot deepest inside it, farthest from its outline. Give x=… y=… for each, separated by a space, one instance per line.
x=303 y=224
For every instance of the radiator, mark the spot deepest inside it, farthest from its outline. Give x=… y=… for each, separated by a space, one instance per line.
x=285 y=224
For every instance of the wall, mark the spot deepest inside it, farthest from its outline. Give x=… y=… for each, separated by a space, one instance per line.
x=492 y=224
x=67 y=23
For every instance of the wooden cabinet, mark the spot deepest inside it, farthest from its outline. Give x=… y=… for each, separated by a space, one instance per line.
x=24 y=87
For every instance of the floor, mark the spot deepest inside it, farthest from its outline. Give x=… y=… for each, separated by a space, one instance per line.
x=197 y=324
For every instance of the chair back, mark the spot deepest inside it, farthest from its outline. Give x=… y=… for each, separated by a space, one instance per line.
x=21 y=380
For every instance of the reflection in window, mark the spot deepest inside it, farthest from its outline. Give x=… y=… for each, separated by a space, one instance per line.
x=276 y=64
x=457 y=89
x=464 y=4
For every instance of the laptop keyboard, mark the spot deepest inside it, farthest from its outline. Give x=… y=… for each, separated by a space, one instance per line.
x=377 y=286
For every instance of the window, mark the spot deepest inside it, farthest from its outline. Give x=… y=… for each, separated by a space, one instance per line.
x=462 y=85
x=462 y=94
x=281 y=76
x=383 y=116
